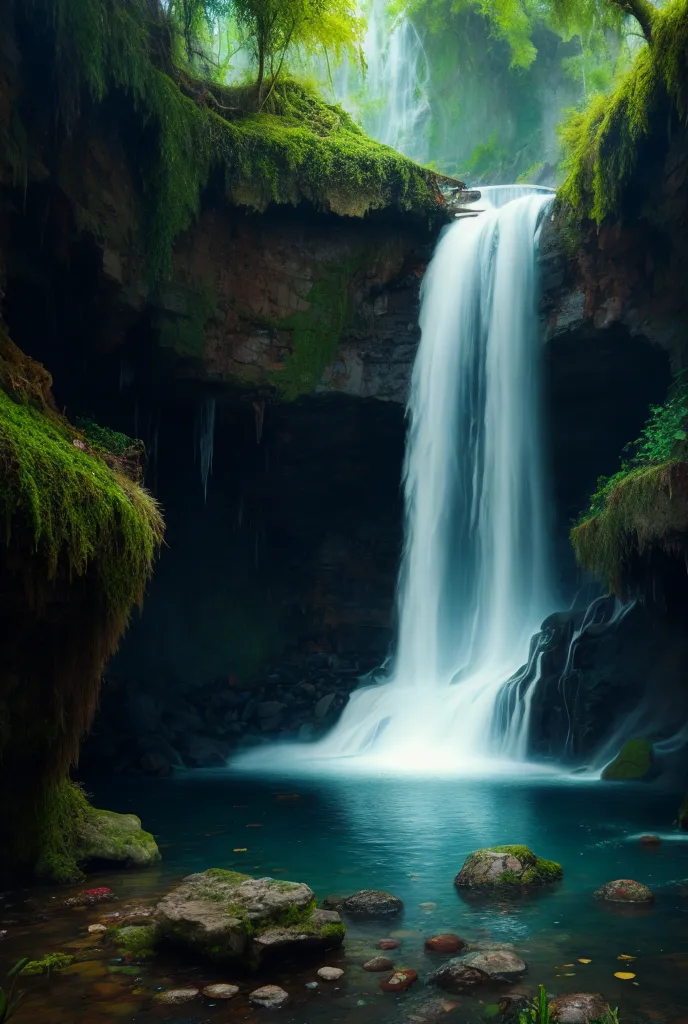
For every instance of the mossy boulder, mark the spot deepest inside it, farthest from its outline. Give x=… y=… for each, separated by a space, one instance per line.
x=137 y=940
x=118 y=838
x=227 y=916
x=500 y=866
x=368 y=904
x=634 y=761
x=624 y=890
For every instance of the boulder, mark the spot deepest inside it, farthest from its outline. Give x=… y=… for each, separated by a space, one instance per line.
x=445 y=944
x=175 y=996
x=578 y=1008
x=225 y=915
x=118 y=838
x=464 y=973
x=371 y=905
x=624 y=890
x=634 y=761
x=270 y=997
x=378 y=963
x=499 y=866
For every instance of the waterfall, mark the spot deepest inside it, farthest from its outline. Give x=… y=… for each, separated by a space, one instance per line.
x=397 y=84
x=474 y=580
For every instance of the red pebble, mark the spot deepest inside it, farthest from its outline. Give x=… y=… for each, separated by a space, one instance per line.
x=388 y=944
x=399 y=981
x=444 y=944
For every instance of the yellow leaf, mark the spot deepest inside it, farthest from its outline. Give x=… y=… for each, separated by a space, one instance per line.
x=569 y=974
x=581 y=960
x=240 y=849
x=568 y=965
x=624 y=975
x=625 y=956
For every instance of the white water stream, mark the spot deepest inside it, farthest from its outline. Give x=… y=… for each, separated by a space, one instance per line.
x=474 y=580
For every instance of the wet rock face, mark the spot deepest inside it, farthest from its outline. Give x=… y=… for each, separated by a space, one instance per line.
x=578 y=1008
x=227 y=916
x=506 y=866
x=624 y=890
x=476 y=969
x=634 y=761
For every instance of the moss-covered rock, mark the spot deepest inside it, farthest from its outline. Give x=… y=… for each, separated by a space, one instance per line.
x=138 y=941
x=634 y=761
x=227 y=916
x=105 y=835
x=508 y=866
x=48 y=964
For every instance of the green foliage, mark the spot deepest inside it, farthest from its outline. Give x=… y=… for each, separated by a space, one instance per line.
x=484 y=158
x=230 y=877
x=601 y=144
x=48 y=964
x=10 y=1000
x=334 y=932
x=633 y=761
x=538 y=1012
x=103 y=438
x=51 y=838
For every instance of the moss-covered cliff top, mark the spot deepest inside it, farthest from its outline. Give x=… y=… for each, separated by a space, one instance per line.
x=194 y=134
x=602 y=143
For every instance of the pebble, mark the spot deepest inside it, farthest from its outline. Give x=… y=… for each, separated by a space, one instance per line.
x=173 y=996
x=220 y=991
x=388 y=944
x=270 y=997
x=378 y=963
x=311 y=984
x=444 y=944
x=399 y=981
x=95 y=928
x=330 y=973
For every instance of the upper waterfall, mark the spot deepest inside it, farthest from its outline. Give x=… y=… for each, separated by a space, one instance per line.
x=474 y=582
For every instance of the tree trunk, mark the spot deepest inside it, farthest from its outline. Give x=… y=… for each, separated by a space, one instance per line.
x=643 y=12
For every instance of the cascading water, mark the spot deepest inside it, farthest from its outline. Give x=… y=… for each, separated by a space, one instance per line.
x=474 y=580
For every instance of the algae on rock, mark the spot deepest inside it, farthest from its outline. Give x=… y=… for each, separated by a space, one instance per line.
x=514 y=865
x=634 y=761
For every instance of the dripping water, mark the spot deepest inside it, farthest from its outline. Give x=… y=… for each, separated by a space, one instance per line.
x=205 y=440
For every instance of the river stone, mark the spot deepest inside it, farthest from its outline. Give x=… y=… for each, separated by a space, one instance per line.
x=624 y=890
x=388 y=944
x=220 y=991
x=499 y=866
x=578 y=1008
x=650 y=840
x=225 y=915
x=270 y=997
x=371 y=904
x=174 y=996
x=118 y=838
x=399 y=981
x=378 y=963
x=330 y=973
x=634 y=761
x=466 y=972
x=445 y=944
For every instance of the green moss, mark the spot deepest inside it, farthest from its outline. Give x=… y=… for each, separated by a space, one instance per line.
x=510 y=878
x=137 y=940
x=76 y=512
x=48 y=964
x=548 y=870
x=523 y=853
x=106 y=835
x=602 y=143
x=224 y=875
x=299 y=149
x=53 y=836
x=334 y=931
x=633 y=761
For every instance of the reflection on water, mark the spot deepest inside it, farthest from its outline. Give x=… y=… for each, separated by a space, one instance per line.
x=407 y=836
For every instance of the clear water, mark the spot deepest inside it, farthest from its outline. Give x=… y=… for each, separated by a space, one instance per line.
x=407 y=836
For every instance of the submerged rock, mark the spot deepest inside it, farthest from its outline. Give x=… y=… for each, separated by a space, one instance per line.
x=378 y=963
x=578 y=1008
x=475 y=969
x=445 y=944
x=119 y=838
x=225 y=915
x=370 y=904
x=650 y=840
x=270 y=997
x=174 y=996
x=634 y=761
x=330 y=973
x=388 y=944
x=624 y=890
x=399 y=981
x=507 y=866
